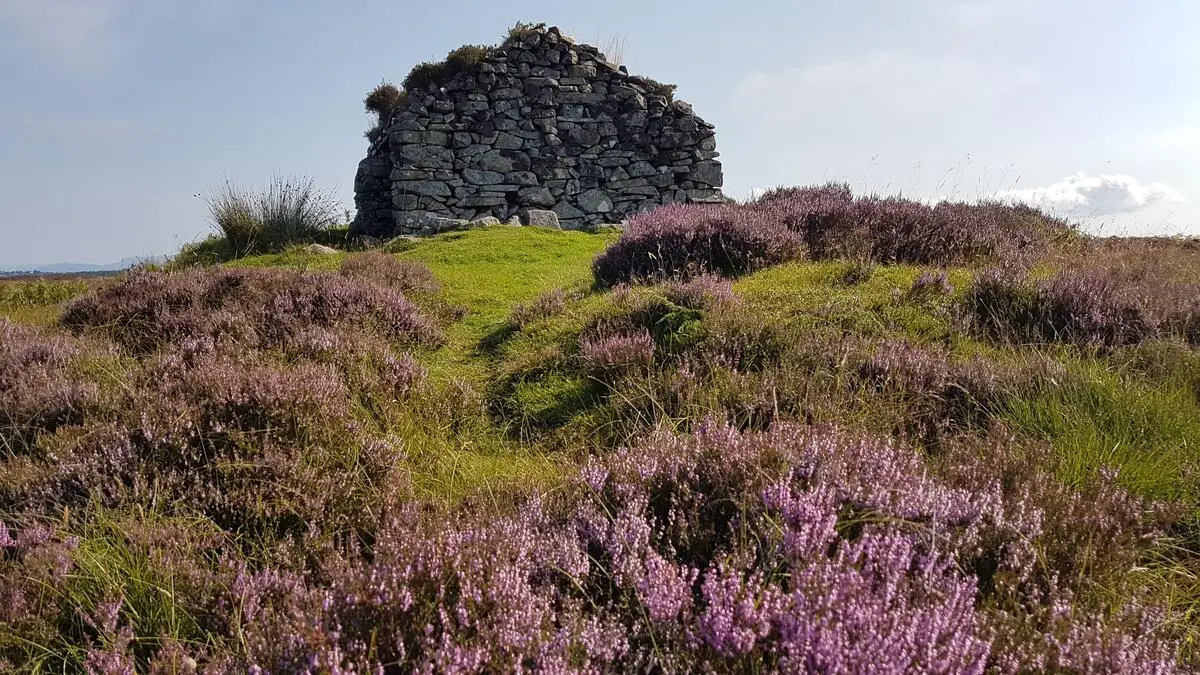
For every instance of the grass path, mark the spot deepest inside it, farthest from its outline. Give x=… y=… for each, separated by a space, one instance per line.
x=489 y=272
x=486 y=271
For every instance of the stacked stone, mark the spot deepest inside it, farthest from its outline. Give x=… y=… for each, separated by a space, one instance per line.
x=540 y=124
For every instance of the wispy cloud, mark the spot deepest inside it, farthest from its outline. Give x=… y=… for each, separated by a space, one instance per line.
x=1082 y=195
x=75 y=35
x=900 y=82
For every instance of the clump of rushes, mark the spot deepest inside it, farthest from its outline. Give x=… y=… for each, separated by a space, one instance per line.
x=287 y=211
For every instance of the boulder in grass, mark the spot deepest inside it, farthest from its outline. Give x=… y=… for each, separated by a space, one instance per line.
x=319 y=249
x=486 y=221
x=539 y=218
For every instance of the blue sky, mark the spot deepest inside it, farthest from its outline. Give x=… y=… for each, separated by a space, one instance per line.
x=115 y=113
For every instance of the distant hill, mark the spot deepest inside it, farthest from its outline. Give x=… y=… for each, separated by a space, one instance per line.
x=74 y=268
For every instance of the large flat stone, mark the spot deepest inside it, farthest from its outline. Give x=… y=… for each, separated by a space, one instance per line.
x=707 y=172
x=428 y=188
x=595 y=201
x=505 y=141
x=565 y=211
x=504 y=161
x=641 y=169
x=425 y=157
x=536 y=196
x=439 y=138
x=482 y=177
x=539 y=218
x=523 y=178
x=484 y=199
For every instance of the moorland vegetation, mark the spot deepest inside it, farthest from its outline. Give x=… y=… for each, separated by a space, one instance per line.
x=814 y=432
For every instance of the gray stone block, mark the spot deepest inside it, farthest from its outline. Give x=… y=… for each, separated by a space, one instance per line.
x=539 y=218
x=536 y=196
x=595 y=201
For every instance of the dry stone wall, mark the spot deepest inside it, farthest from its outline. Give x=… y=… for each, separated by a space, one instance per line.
x=539 y=124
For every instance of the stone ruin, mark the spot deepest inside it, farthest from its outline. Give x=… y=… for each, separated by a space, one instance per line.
x=538 y=124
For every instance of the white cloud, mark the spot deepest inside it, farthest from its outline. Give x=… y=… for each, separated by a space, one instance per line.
x=895 y=82
x=1082 y=195
x=79 y=35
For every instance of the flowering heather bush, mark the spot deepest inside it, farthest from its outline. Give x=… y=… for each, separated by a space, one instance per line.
x=789 y=551
x=405 y=276
x=679 y=241
x=936 y=392
x=835 y=224
x=542 y=307
x=612 y=352
x=1087 y=307
x=244 y=442
x=97 y=597
x=38 y=390
x=930 y=282
x=702 y=292
x=263 y=484
x=248 y=307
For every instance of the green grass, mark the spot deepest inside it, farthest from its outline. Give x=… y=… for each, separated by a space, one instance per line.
x=1148 y=429
x=1149 y=426
x=111 y=562
x=816 y=295
x=489 y=271
x=38 y=302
